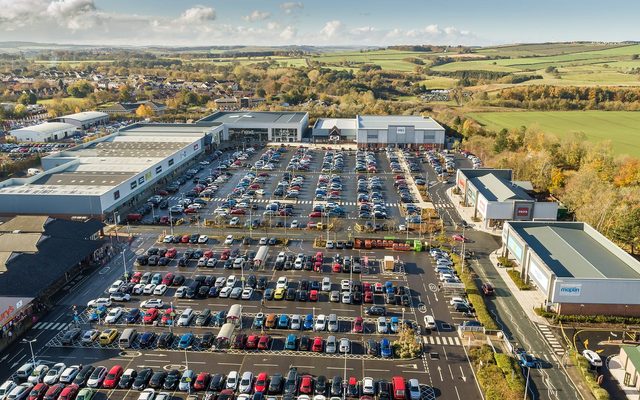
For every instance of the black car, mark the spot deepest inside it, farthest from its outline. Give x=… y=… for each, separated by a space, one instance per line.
x=321 y=385
x=216 y=384
x=157 y=379
x=165 y=340
x=304 y=343
x=127 y=380
x=142 y=260
x=373 y=348
x=290 y=294
x=268 y=294
x=70 y=336
x=384 y=390
x=353 y=390
x=171 y=380
x=203 y=291
x=375 y=310
x=291 y=382
x=83 y=376
x=275 y=385
x=193 y=239
x=178 y=280
x=207 y=340
x=262 y=283
x=143 y=379
x=147 y=338
x=246 y=241
x=405 y=300
x=336 y=386
x=188 y=254
x=302 y=295
x=251 y=281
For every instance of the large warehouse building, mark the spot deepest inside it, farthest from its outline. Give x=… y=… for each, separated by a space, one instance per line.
x=45 y=132
x=84 y=120
x=369 y=131
x=276 y=126
x=578 y=270
x=496 y=198
x=100 y=177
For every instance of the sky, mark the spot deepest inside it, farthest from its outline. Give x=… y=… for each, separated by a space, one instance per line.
x=316 y=22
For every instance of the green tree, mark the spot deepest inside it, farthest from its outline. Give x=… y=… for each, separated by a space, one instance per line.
x=501 y=142
x=80 y=89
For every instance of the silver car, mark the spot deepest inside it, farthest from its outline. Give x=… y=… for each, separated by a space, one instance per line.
x=246 y=382
x=331 y=345
x=345 y=345
x=332 y=323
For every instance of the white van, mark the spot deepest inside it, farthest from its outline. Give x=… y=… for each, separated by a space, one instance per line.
x=24 y=371
x=185 y=317
x=127 y=338
x=430 y=322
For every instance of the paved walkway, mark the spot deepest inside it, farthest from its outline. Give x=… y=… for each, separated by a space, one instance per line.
x=615 y=367
x=467 y=214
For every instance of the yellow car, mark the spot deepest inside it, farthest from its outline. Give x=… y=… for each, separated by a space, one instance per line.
x=108 y=336
x=278 y=294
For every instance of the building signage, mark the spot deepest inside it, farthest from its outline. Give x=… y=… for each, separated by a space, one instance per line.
x=570 y=290
x=471 y=197
x=461 y=182
x=515 y=248
x=400 y=130
x=6 y=313
x=522 y=211
x=195 y=147
x=482 y=206
x=536 y=273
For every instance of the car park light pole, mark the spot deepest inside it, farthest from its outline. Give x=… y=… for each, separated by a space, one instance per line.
x=124 y=265
x=33 y=357
x=464 y=240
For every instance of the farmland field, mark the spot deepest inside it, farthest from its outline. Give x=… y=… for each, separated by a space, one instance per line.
x=622 y=128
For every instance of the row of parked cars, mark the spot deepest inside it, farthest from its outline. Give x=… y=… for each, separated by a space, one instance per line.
x=366 y=162
x=332 y=161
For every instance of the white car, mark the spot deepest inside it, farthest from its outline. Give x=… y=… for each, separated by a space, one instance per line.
x=344 y=346
x=147 y=394
x=295 y=224
x=102 y=301
x=152 y=303
x=138 y=288
x=345 y=284
x=281 y=257
x=246 y=293
x=260 y=192
x=220 y=281
x=459 y=300
x=160 y=289
x=113 y=316
x=381 y=325
x=69 y=374
x=6 y=388
x=169 y=239
x=263 y=241
x=54 y=373
x=346 y=298
x=149 y=288
x=232 y=380
x=246 y=383
x=414 y=389
x=282 y=283
x=119 y=296
x=332 y=323
x=163 y=396
x=186 y=382
x=186 y=317
x=330 y=346
x=203 y=238
x=296 y=322
x=195 y=206
x=326 y=284
x=368 y=387
x=234 y=221
x=321 y=323
x=36 y=376
x=229 y=239
x=115 y=286
x=225 y=292
x=593 y=358
x=20 y=392
x=180 y=292
x=231 y=281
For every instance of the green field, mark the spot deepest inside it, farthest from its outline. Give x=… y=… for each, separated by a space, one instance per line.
x=622 y=128
x=73 y=101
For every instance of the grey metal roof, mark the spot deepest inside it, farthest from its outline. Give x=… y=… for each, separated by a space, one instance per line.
x=46 y=127
x=494 y=188
x=570 y=251
x=256 y=117
x=85 y=178
x=85 y=116
x=384 y=121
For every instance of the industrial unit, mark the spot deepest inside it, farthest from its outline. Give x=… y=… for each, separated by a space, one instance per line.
x=248 y=126
x=99 y=177
x=577 y=269
x=368 y=131
x=45 y=132
x=84 y=120
x=496 y=198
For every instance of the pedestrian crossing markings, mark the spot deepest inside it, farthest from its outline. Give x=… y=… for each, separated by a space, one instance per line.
x=442 y=340
x=54 y=326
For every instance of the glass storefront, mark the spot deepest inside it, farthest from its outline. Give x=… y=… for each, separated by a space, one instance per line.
x=249 y=134
x=284 y=135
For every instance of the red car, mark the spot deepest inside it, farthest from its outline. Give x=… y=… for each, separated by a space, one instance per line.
x=368 y=297
x=306 y=384
x=208 y=254
x=315 y=214
x=261 y=382
x=54 y=391
x=317 y=266
x=112 y=378
x=252 y=342
x=358 y=325
x=319 y=257
x=202 y=381
x=378 y=288
x=69 y=393
x=168 y=279
x=162 y=192
x=225 y=254
x=185 y=238
x=459 y=238
x=317 y=344
x=264 y=342
x=366 y=287
x=166 y=316
x=237 y=211
x=136 y=277
x=336 y=267
x=171 y=253
x=313 y=295
x=150 y=315
x=190 y=211
x=38 y=391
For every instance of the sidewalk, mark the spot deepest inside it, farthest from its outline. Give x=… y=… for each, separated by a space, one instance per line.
x=467 y=214
x=618 y=374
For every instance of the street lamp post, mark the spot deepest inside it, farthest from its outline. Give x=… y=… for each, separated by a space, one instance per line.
x=124 y=265
x=462 y=248
x=33 y=357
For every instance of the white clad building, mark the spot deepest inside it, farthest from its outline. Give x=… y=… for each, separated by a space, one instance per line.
x=45 y=132
x=84 y=119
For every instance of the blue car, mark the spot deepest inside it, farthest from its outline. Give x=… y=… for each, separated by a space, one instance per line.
x=527 y=360
x=385 y=348
x=258 y=321
x=132 y=316
x=388 y=285
x=283 y=321
x=97 y=313
x=185 y=341
x=308 y=322
x=290 y=343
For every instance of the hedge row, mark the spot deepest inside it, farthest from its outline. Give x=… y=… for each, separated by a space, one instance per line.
x=494 y=377
x=596 y=319
x=474 y=294
x=515 y=277
x=507 y=365
x=584 y=367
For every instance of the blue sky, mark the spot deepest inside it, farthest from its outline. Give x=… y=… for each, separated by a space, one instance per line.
x=314 y=22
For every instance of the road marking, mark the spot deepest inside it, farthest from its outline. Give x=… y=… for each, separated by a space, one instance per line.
x=38 y=325
x=266 y=365
x=437 y=339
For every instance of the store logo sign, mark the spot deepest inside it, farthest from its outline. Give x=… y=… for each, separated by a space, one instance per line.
x=522 y=212
x=570 y=290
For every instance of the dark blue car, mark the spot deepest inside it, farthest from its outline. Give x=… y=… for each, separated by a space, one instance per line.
x=132 y=316
x=385 y=348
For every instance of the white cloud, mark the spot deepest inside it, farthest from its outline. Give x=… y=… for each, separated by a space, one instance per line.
x=291 y=6
x=197 y=14
x=331 y=29
x=432 y=29
x=273 y=26
x=257 y=15
x=363 y=30
x=288 y=33
x=71 y=14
